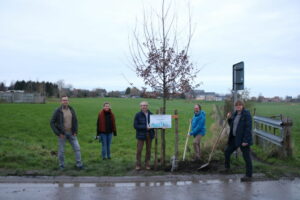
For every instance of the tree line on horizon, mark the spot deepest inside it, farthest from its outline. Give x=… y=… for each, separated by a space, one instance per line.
x=44 y=88
x=59 y=89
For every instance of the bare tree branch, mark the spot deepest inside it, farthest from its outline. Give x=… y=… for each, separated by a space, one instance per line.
x=156 y=55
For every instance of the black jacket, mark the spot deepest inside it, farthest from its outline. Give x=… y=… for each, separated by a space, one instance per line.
x=244 y=129
x=140 y=126
x=57 y=121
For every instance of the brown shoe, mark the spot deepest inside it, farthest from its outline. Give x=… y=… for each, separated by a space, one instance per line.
x=137 y=168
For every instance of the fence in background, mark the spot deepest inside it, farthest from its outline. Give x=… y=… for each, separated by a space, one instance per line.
x=21 y=97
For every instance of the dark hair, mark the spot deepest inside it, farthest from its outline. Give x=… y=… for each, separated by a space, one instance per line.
x=106 y=103
x=198 y=105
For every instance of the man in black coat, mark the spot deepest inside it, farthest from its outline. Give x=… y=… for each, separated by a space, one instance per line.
x=240 y=136
x=143 y=134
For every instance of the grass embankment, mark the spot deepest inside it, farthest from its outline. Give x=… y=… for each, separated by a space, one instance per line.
x=267 y=158
x=28 y=143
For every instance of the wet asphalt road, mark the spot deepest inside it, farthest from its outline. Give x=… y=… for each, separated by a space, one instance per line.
x=147 y=188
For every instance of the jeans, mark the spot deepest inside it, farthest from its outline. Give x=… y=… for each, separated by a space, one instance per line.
x=61 y=149
x=246 y=155
x=105 y=139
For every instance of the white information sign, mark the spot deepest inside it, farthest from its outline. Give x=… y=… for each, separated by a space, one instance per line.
x=160 y=121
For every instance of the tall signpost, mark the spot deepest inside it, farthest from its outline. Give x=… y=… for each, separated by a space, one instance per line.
x=237 y=83
x=237 y=79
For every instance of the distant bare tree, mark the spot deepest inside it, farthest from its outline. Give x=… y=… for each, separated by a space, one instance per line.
x=61 y=84
x=143 y=91
x=135 y=91
x=64 y=89
x=157 y=57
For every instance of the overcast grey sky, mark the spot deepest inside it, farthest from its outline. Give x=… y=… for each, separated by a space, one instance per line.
x=86 y=42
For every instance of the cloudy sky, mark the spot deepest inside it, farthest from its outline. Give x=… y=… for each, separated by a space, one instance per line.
x=85 y=43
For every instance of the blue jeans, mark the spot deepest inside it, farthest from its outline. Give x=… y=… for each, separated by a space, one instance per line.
x=61 y=149
x=105 y=139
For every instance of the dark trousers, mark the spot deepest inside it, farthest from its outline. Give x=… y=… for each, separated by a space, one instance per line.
x=140 y=145
x=246 y=155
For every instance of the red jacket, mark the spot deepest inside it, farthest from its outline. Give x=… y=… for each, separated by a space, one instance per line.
x=101 y=123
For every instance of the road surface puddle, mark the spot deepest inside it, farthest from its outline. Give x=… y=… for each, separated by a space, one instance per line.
x=116 y=184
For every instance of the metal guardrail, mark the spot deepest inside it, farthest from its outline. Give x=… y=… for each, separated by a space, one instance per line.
x=269 y=121
x=275 y=131
x=262 y=127
x=269 y=137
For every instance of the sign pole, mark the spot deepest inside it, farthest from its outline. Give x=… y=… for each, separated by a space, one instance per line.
x=237 y=84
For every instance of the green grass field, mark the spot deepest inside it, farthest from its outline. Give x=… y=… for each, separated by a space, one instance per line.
x=28 y=143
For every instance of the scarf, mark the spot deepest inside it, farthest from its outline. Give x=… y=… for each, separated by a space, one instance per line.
x=102 y=124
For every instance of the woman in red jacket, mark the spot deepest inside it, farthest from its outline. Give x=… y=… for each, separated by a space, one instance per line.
x=106 y=127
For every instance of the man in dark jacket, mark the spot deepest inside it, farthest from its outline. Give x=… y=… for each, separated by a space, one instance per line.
x=64 y=125
x=143 y=133
x=240 y=136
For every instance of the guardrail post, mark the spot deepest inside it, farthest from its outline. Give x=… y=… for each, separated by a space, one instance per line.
x=256 y=138
x=287 y=144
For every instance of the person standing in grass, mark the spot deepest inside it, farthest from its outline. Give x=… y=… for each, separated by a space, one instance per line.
x=198 y=129
x=64 y=124
x=240 y=136
x=143 y=134
x=106 y=127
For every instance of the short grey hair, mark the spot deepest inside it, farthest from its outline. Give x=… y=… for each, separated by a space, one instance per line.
x=144 y=102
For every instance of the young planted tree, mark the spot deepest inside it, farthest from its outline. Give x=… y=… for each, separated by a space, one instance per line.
x=160 y=60
x=157 y=57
